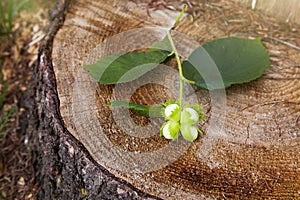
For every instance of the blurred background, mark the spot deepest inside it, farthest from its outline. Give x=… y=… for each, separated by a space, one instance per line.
x=22 y=27
x=283 y=10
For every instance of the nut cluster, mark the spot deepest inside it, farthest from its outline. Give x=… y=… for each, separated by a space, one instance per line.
x=181 y=120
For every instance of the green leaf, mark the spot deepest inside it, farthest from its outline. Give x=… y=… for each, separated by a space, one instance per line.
x=124 y=68
x=163 y=44
x=227 y=61
x=97 y=69
x=147 y=111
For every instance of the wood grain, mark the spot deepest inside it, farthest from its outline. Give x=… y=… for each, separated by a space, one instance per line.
x=250 y=148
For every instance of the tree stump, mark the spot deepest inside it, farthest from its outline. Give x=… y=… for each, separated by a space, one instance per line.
x=250 y=147
x=288 y=10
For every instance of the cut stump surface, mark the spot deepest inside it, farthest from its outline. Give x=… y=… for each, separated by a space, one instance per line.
x=250 y=147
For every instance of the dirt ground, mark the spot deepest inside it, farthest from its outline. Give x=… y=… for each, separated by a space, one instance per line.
x=19 y=58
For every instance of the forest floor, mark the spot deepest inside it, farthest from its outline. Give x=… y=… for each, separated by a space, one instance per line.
x=18 y=58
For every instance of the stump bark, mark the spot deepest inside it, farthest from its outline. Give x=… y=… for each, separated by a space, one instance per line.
x=250 y=147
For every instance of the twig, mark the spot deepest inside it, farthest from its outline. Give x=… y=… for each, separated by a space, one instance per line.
x=284 y=42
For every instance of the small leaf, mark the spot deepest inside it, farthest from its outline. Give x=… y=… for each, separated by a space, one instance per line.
x=237 y=60
x=124 y=68
x=147 y=111
x=163 y=44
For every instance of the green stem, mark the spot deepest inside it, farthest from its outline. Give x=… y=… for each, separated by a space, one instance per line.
x=181 y=77
x=180 y=16
x=179 y=68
